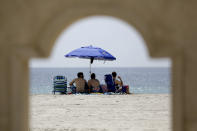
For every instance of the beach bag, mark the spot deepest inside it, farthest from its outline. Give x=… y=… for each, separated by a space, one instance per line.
x=124 y=88
x=110 y=83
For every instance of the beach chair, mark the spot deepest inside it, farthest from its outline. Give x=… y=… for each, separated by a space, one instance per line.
x=59 y=84
x=110 y=83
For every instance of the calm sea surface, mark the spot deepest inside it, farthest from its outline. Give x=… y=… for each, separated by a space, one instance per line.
x=140 y=80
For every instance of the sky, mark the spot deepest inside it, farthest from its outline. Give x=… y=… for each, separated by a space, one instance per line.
x=111 y=34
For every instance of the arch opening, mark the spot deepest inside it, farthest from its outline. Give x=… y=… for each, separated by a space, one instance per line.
x=143 y=74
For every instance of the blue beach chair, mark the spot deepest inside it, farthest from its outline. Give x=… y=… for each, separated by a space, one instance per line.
x=110 y=83
x=59 y=84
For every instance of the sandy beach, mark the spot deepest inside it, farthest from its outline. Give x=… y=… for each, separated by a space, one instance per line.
x=136 y=112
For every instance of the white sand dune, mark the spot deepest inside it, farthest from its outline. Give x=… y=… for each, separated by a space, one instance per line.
x=138 y=112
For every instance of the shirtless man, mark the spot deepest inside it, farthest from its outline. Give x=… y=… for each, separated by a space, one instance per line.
x=94 y=84
x=79 y=83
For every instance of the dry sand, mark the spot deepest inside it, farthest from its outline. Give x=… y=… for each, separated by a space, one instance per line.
x=138 y=112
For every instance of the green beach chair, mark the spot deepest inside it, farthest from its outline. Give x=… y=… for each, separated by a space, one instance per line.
x=59 y=84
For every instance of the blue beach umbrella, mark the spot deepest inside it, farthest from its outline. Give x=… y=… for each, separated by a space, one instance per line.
x=92 y=53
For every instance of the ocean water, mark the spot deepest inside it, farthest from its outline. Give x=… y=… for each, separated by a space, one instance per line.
x=140 y=80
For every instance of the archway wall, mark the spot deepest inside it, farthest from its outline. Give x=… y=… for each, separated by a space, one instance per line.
x=29 y=29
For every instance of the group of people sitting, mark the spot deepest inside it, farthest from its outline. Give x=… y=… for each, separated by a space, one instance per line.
x=93 y=85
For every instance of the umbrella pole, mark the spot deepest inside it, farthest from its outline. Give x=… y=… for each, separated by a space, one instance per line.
x=90 y=67
x=91 y=61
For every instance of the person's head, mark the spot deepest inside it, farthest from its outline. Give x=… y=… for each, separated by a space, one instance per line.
x=80 y=75
x=93 y=76
x=114 y=74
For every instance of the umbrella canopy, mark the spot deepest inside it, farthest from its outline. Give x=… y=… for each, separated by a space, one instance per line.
x=92 y=53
